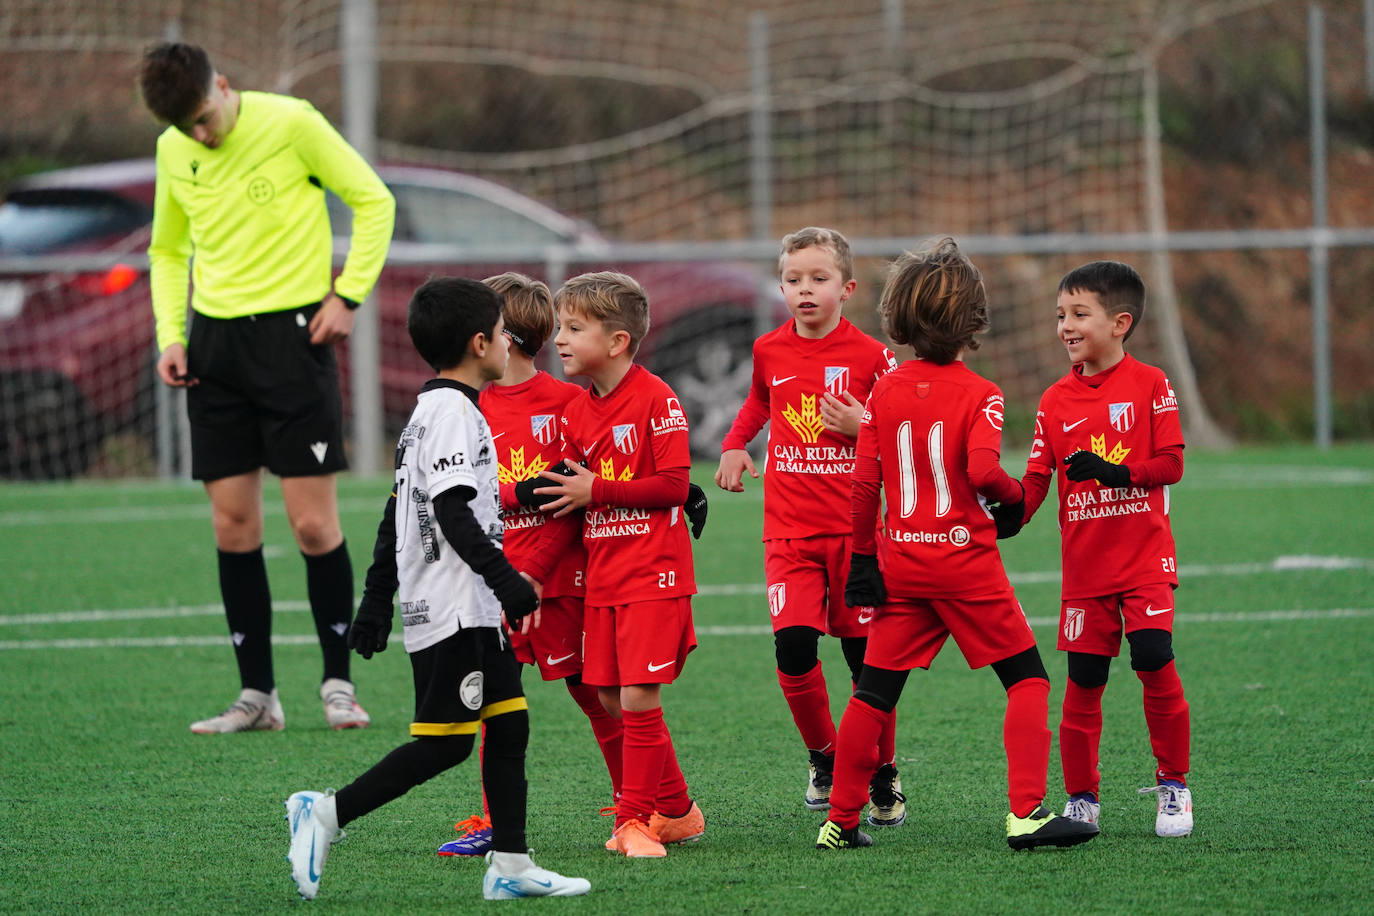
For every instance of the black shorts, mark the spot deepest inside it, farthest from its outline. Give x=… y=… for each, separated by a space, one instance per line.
x=266 y=397
x=459 y=681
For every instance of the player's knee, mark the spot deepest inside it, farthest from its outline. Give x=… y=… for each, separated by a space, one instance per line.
x=316 y=534
x=1150 y=649
x=1089 y=671
x=447 y=750
x=1020 y=667
x=795 y=648
x=508 y=734
x=880 y=688
x=854 y=648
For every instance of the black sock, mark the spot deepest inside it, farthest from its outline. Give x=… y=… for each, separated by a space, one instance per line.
x=503 y=779
x=329 y=583
x=399 y=772
x=248 y=609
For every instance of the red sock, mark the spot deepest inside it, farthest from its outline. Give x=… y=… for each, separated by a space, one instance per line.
x=645 y=749
x=1166 y=716
x=481 y=757
x=606 y=728
x=856 y=757
x=1027 y=738
x=1080 y=734
x=887 y=741
x=809 y=700
x=673 y=800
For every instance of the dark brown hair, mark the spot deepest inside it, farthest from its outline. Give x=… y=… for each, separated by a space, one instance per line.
x=175 y=79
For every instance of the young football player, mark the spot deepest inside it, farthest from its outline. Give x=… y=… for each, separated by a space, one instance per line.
x=929 y=446
x=439 y=541
x=523 y=408
x=626 y=447
x=1111 y=429
x=810 y=379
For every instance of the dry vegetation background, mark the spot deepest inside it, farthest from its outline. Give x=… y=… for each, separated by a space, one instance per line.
x=540 y=95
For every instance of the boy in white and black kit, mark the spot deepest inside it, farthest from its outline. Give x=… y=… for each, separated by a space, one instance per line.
x=439 y=542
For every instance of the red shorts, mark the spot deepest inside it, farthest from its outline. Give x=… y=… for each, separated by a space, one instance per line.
x=641 y=643
x=806 y=579
x=908 y=633
x=556 y=644
x=1094 y=625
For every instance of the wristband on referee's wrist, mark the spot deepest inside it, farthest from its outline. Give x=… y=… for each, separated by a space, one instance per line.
x=350 y=304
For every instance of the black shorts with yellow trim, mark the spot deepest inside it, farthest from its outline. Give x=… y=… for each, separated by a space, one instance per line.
x=459 y=681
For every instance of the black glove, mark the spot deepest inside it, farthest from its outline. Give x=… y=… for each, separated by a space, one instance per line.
x=1084 y=465
x=370 y=628
x=524 y=490
x=865 y=585
x=515 y=593
x=695 y=507
x=1009 y=516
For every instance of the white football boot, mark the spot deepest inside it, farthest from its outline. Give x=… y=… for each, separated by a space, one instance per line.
x=1175 y=817
x=512 y=875
x=252 y=711
x=341 y=709
x=1082 y=808
x=310 y=842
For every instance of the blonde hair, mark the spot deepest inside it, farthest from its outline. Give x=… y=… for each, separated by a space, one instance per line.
x=527 y=306
x=614 y=299
x=819 y=237
x=934 y=301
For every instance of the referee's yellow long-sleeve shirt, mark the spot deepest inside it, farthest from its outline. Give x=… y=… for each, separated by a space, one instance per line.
x=249 y=217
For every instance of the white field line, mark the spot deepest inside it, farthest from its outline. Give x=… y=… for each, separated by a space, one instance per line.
x=1282 y=564
x=1210 y=477
x=158 y=642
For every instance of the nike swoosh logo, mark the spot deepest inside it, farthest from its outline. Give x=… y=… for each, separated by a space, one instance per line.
x=1069 y=427
x=653 y=667
x=314 y=875
x=1156 y=611
x=496 y=436
x=588 y=449
x=564 y=658
x=865 y=616
x=778 y=381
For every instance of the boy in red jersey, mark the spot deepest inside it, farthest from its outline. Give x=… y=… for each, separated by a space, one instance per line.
x=810 y=379
x=626 y=447
x=1113 y=423
x=522 y=408
x=929 y=444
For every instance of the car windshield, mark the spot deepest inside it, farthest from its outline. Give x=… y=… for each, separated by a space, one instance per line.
x=445 y=216
x=41 y=221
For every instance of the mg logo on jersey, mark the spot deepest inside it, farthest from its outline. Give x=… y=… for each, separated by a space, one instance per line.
x=1122 y=416
x=1073 y=623
x=541 y=427
x=777 y=598
x=807 y=424
x=836 y=379
x=625 y=439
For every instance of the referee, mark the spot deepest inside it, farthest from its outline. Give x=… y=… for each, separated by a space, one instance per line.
x=240 y=213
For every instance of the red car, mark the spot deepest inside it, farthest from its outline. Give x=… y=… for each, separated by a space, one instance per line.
x=77 y=349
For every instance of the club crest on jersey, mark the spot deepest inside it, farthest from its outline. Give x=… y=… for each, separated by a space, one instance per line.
x=625 y=438
x=836 y=380
x=1122 y=416
x=923 y=390
x=1073 y=623
x=777 y=598
x=541 y=427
